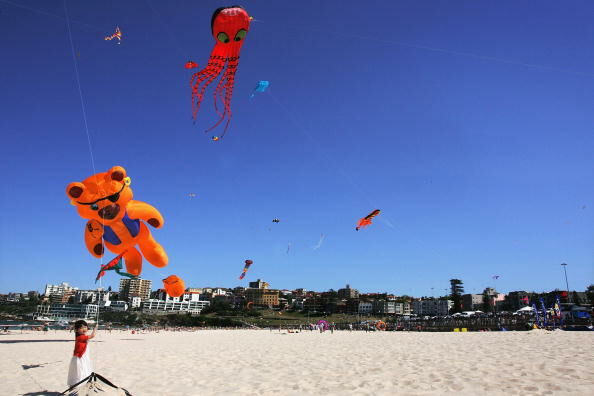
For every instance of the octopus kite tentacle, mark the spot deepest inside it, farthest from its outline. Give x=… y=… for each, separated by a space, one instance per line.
x=206 y=75
x=229 y=80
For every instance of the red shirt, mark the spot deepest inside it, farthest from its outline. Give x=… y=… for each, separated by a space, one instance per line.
x=80 y=345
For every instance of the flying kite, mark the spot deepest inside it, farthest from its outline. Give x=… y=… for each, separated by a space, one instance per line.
x=229 y=26
x=319 y=245
x=261 y=87
x=288 y=247
x=116 y=221
x=245 y=268
x=276 y=220
x=215 y=138
x=365 y=221
x=190 y=65
x=116 y=35
x=174 y=286
x=192 y=195
x=114 y=265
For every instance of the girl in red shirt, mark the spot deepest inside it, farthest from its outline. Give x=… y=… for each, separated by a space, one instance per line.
x=80 y=364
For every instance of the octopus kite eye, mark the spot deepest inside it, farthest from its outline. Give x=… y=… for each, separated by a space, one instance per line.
x=222 y=37
x=95 y=207
x=240 y=35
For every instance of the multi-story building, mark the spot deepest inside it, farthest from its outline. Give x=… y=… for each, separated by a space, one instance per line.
x=266 y=297
x=313 y=302
x=135 y=302
x=384 y=307
x=495 y=299
x=33 y=294
x=99 y=296
x=160 y=307
x=59 y=293
x=239 y=291
x=14 y=297
x=352 y=305
x=365 y=307
x=299 y=303
x=431 y=307
x=259 y=284
x=403 y=308
x=518 y=299
x=347 y=292
x=134 y=288
x=118 y=306
x=66 y=311
x=472 y=302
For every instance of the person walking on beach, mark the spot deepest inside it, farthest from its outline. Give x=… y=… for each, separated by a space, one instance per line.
x=80 y=364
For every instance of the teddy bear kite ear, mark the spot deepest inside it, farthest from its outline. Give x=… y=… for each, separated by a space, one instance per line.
x=116 y=173
x=75 y=190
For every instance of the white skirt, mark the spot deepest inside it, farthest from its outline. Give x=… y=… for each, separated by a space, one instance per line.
x=80 y=368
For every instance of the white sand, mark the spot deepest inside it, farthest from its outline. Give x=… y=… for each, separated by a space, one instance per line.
x=257 y=362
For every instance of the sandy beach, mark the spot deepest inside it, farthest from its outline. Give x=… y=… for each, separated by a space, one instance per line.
x=260 y=362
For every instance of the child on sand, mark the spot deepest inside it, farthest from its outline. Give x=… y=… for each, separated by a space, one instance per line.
x=80 y=364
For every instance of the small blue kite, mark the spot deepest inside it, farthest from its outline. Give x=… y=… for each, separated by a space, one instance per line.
x=261 y=87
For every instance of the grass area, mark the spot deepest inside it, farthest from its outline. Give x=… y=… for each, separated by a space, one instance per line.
x=275 y=318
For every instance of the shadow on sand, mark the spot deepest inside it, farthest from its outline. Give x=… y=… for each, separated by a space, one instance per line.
x=22 y=341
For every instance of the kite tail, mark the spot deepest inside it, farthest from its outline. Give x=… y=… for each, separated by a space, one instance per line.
x=205 y=76
x=229 y=78
x=217 y=93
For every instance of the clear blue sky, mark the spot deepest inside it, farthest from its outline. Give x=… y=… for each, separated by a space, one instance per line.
x=468 y=123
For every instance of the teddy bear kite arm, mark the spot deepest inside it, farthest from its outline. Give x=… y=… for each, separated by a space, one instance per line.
x=143 y=211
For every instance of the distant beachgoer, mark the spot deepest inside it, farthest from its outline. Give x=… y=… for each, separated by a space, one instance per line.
x=80 y=364
x=350 y=327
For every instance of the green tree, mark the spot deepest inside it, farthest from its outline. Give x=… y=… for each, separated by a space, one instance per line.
x=486 y=307
x=590 y=293
x=456 y=290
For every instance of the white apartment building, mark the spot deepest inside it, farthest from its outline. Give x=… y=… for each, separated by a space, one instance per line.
x=135 y=302
x=365 y=307
x=66 y=311
x=162 y=295
x=402 y=308
x=115 y=306
x=432 y=307
x=58 y=290
x=99 y=296
x=153 y=306
x=384 y=307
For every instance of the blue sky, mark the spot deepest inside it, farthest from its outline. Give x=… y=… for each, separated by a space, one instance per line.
x=468 y=123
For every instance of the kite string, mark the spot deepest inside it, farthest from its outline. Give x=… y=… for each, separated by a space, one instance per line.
x=447 y=51
x=84 y=114
x=80 y=94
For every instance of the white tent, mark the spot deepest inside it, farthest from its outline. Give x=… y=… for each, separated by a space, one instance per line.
x=525 y=309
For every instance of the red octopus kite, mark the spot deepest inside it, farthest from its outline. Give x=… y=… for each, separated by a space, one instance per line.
x=229 y=26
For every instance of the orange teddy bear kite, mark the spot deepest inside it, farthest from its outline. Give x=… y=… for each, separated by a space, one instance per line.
x=115 y=219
